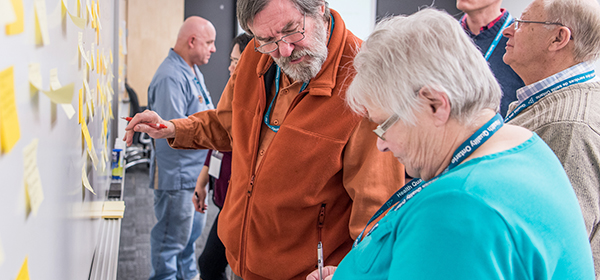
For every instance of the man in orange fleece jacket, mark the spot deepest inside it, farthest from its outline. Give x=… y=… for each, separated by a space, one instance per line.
x=305 y=168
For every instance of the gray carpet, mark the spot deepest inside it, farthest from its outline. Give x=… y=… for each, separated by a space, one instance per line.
x=134 y=248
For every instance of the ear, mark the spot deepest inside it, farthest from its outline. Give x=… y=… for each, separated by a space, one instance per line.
x=190 y=41
x=437 y=104
x=560 y=39
x=322 y=10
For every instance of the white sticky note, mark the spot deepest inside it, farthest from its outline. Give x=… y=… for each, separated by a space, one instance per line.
x=7 y=12
x=54 y=83
x=80 y=47
x=33 y=183
x=35 y=75
x=69 y=110
x=92 y=152
x=42 y=21
x=85 y=181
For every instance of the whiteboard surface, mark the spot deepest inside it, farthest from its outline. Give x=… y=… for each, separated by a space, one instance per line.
x=58 y=244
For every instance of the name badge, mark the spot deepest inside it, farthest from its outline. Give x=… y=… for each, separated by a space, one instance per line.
x=214 y=168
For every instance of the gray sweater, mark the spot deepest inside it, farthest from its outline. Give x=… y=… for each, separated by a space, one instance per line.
x=568 y=120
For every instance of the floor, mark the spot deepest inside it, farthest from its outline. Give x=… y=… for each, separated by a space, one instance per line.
x=134 y=249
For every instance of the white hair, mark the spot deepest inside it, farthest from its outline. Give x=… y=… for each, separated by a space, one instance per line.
x=582 y=17
x=427 y=49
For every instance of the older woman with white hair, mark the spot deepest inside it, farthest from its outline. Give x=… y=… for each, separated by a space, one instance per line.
x=492 y=201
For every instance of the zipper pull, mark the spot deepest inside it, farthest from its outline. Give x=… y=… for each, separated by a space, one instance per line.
x=322 y=215
x=251 y=185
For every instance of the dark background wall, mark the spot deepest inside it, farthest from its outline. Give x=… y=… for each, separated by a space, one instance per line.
x=222 y=15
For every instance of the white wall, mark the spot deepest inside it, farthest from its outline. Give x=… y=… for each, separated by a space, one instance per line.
x=359 y=15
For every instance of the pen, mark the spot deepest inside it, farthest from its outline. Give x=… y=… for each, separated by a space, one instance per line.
x=154 y=125
x=320 y=259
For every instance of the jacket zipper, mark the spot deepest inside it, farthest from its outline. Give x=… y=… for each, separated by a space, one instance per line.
x=250 y=189
x=321 y=221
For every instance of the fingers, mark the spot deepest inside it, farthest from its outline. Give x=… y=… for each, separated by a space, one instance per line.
x=313 y=275
x=327 y=273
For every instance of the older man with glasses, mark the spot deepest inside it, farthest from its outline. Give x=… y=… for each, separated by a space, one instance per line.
x=302 y=160
x=484 y=21
x=552 y=48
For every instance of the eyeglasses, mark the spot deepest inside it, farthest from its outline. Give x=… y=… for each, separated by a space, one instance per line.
x=519 y=21
x=382 y=128
x=291 y=38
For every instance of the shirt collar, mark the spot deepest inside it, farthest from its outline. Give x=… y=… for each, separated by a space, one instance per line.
x=177 y=58
x=528 y=91
x=463 y=22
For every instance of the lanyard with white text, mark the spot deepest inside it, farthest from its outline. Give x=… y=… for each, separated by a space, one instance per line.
x=584 y=77
x=413 y=187
x=267 y=117
x=494 y=44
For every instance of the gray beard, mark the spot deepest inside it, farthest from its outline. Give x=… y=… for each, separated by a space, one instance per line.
x=315 y=56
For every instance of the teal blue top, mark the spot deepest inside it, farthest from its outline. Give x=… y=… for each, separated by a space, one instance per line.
x=509 y=215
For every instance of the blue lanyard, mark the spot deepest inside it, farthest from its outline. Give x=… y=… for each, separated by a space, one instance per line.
x=552 y=88
x=202 y=91
x=416 y=185
x=267 y=118
x=494 y=44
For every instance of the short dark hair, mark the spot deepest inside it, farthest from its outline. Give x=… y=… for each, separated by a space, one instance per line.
x=241 y=40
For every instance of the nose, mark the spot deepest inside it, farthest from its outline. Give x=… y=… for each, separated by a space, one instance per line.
x=508 y=31
x=285 y=49
x=382 y=145
x=213 y=48
x=231 y=68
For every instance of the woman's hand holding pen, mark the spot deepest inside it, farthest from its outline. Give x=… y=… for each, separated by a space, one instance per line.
x=151 y=123
x=327 y=273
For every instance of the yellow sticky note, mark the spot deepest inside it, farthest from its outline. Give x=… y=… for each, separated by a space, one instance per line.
x=97 y=35
x=85 y=181
x=33 y=183
x=57 y=93
x=7 y=12
x=24 y=272
x=86 y=134
x=41 y=23
x=63 y=9
x=80 y=105
x=98 y=60
x=97 y=10
x=62 y=95
x=35 y=75
x=79 y=9
x=10 y=131
x=111 y=56
x=18 y=25
x=113 y=209
x=92 y=59
x=105 y=123
x=78 y=21
x=89 y=11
